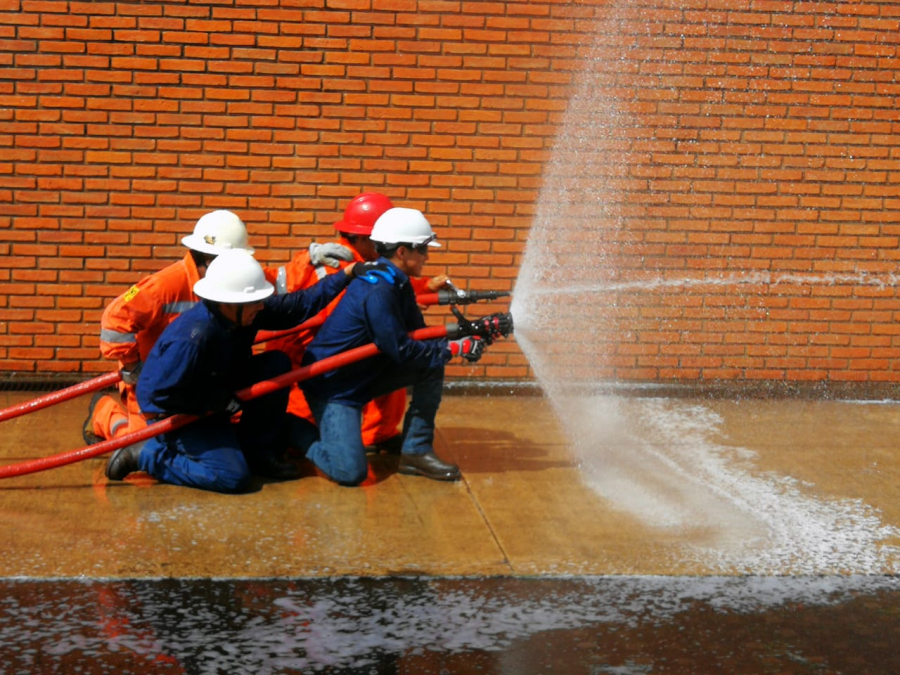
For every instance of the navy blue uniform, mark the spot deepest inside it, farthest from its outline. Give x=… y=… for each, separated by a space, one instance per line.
x=379 y=308
x=196 y=367
x=382 y=312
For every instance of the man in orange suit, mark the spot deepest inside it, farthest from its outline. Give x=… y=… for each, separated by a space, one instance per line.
x=133 y=322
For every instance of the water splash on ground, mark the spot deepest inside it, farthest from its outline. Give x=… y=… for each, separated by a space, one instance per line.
x=428 y=625
x=594 y=293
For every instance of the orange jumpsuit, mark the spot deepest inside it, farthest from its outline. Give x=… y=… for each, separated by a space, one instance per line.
x=129 y=328
x=382 y=416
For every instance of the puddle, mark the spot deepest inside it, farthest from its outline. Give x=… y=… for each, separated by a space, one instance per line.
x=618 y=625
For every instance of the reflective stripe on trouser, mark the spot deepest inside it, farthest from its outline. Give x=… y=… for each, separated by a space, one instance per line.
x=112 y=420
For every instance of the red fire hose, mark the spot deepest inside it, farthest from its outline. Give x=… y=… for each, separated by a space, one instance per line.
x=74 y=391
x=442 y=297
x=178 y=421
x=111 y=379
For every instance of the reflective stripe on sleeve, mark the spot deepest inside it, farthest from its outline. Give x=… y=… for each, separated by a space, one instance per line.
x=115 y=337
x=178 y=307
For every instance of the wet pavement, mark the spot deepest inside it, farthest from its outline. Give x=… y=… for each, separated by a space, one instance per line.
x=654 y=536
x=435 y=625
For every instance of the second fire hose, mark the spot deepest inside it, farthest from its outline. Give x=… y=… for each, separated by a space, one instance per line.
x=442 y=297
x=488 y=328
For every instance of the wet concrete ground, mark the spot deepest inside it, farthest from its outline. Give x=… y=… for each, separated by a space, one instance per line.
x=434 y=625
x=660 y=536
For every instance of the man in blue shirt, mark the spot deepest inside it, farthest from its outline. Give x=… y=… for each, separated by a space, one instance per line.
x=199 y=363
x=381 y=308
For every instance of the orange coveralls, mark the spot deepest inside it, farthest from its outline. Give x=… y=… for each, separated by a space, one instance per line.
x=382 y=416
x=129 y=328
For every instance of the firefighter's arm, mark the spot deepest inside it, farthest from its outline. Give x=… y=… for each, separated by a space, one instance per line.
x=125 y=317
x=424 y=285
x=297 y=274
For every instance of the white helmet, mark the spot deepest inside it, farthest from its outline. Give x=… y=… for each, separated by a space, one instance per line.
x=217 y=231
x=234 y=276
x=403 y=226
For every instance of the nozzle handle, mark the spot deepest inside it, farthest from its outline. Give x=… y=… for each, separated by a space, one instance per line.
x=448 y=297
x=488 y=328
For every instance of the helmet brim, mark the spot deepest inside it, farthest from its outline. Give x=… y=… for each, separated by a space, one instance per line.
x=195 y=243
x=352 y=228
x=233 y=297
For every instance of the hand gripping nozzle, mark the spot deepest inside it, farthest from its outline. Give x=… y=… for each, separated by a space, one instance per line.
x=488 y=328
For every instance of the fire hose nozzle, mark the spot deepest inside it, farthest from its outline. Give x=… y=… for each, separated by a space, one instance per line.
x=458 y=297
x=488 y=328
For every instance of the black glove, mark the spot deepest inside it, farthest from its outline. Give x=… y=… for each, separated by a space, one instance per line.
x=470 y=348
x=131 y=372
x=370 y=271
x=233 y=406
x=488 y=328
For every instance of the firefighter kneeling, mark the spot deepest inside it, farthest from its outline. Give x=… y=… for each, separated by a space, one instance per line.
x=381 y=307
x=199 y=363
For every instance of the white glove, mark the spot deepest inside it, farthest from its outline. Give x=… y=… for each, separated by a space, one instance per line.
x=329 y=255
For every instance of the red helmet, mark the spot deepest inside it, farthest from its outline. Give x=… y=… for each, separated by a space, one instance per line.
x=361 y=214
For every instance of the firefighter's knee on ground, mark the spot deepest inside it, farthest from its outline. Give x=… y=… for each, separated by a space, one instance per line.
x=232 y=482
x=351 y=475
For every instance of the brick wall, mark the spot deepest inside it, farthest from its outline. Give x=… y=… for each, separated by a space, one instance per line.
x=737 y=138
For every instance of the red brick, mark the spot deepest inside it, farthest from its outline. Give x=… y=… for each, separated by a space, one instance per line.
x=767 y=148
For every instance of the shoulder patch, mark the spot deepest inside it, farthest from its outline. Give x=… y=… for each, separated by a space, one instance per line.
x=130 y=293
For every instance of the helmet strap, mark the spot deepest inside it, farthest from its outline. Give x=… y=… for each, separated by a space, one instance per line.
x=386 y=250
x=231 y=311
x=201 y=260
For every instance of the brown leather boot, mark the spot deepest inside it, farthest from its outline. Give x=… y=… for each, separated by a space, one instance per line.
x=428 y=465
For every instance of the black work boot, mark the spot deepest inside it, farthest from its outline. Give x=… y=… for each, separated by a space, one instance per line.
x=87 y=429
x=428 y=465
x=123 y=462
